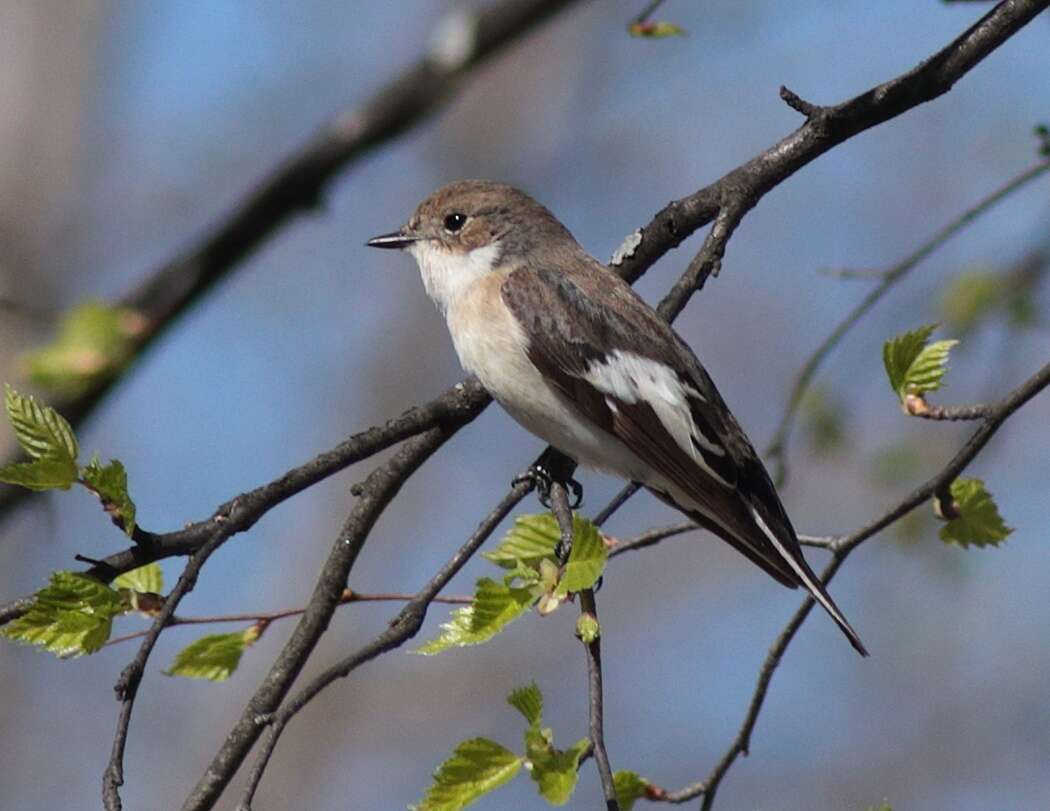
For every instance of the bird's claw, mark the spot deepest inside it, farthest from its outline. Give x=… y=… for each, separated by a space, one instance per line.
x=543 y=480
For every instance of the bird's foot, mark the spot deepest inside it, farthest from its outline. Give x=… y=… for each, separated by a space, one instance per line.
x=543 y=478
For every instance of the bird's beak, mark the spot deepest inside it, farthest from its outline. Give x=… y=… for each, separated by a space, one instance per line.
x=396 y=239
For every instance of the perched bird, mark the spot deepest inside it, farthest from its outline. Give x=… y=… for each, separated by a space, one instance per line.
x=580 y=360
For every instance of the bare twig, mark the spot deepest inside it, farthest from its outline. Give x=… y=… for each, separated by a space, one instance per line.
x=915 y=405
x=403 y=627
x=267 y=617
x=588 y=606
x=777 y=450
x=649 y=538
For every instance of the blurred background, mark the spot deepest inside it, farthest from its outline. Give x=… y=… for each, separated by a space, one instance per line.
x=129 y=127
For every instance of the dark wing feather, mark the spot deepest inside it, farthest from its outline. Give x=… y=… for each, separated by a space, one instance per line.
x=574 y=324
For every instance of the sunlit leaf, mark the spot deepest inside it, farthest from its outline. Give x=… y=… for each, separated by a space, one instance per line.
x=476 y=767
x=528 y=701
x=148 y=579
x=110 y=483
x=530 y=540
x=71 y=616
x=46 y=438
x=913 y=365
x=493 y=607
x=94 y=341
x=213 y=657
x=630 y=786
x=586 y=560
x=979 y=522
x=555 y=771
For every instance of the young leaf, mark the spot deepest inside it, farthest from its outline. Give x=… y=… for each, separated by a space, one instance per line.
x=530 y=540
x=913 y=365
x=528 y=701
x=587 y=628
x=494 y=605
x=655 y=29
x=555 y=771
x=629 y=788
x=477 y=766
x=110 y=484
x=94 y=340
x=71 y=616
x=213 y=657
x=48 y=440
x=146 y=579
x=979 y=522
x=586 y=560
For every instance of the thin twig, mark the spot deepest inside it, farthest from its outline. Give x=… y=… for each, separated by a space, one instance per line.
x=349 y=596
x=650 y=537
x=402 y=628
x=588 y=606
x=646 y=12
x=777 y=450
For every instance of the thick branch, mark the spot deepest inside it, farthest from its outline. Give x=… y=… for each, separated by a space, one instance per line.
x=299 y=184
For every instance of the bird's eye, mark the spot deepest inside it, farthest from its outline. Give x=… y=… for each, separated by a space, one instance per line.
x=454 y=221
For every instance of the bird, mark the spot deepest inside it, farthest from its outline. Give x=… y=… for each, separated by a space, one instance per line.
x=579 y=359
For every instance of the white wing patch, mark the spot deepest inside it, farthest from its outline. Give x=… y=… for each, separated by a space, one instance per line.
x=632 y=378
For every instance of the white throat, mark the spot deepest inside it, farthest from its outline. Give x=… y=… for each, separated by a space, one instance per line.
x=447 y=275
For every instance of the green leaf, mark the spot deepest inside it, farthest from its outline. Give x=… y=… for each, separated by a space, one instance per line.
x=587 y=628
x=979 y=522
x=586 y=560
x=94 y=341
x=71 y=616
x=477 y=766
x=494 y=605
x=530 y=540
x=146 y=579
x=655 y=29
x=554 y=771
x=823 y=421
x=110 y=484
x=48 y=440
x=213 y=657
x=970 y=297
x=629 y=788
x=528 y=701
x=43 y=474
x=914 y=366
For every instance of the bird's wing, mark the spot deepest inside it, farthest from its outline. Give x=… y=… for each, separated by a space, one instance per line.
x=625 y=370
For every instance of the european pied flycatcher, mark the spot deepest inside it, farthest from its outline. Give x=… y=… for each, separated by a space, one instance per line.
x=576 y=357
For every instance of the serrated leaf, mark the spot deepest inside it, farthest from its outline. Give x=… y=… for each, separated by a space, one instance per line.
x=476 y=767
x=979 y=522
x=655 y=29
x=94 y=341
x=46 y=438
x=528 y=701
x=914 y=366
x=587 y=628
x=555 y=771
x=530 y=540
x=630 y=786
x=148 y=579
x=494 y=606
x=71 y=616
x=110 y=484
x=586 y=560
x=213 y=657
x=43 y=474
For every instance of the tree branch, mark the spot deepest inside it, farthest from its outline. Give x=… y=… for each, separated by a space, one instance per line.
x=841 y=548
x=888 y=279
x=299 y=184
x=402 y=628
